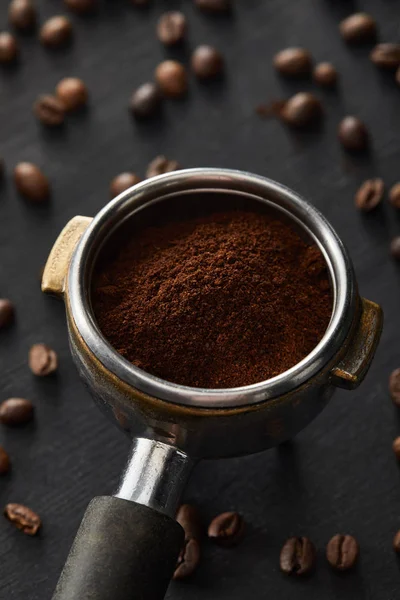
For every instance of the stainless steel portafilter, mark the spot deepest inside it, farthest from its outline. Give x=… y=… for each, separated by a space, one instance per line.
x=128 y=543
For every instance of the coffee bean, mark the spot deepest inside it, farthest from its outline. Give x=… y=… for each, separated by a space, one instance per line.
x=189 y=519
x=227 y=529
x=188 y=559
x=359 y=27
x=23 y=518
x=395 y=248
x=5 y=463
x=122 y=182
x=72 y=92
x=369 y=195
x=325 y=74
x=31 y=182
x=394 y=386
x=6 y=313
x=49 y=110
x=16 y=411
x=353 y=134
x=394 y=195
x=172 y=78
x=43 y=360
x=171 y=28
x=293 y=62
x=396 y=542
x=301 y=110
x=161 y=165
x=207 y=62
x=56 y=32
x=297 y=556
x=386 y=56
x=22 y=14
x=214 y=6
x=145 y=101
x=81 y=6
x=396 y=447
x=342 y=552
x=9 y=49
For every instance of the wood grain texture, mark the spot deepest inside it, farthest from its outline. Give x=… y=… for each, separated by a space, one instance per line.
x=339 y=475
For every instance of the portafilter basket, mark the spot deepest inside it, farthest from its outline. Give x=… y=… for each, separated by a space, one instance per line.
x=128 y=544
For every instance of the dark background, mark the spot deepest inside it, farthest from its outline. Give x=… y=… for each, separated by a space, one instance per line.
x=339 y=475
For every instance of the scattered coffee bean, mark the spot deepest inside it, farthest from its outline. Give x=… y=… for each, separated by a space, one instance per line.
x=297 y=556
x=207 y=62
x=43 y=360
x=49 y=110
x=171 y=28
x=161 y=165
x=188 y=559
x=81 y=6
x=5 y=463
x=394 y=195
x=9 y=49
x=122 y=182
x=325 y=74
x=188 y=517
x=172 y=78
x=227 y=529
x=342 y=552
x=394 y=386
x=23 y=518
x=6 y=313
x=56 y=32
x=396 y=447
x=301 y=110
x=16 y=411
x=22 y=14
x=146 y=101
x=386 y=56
x=31 y=182
x=293 y=62
x=369 y=195
x=353 y=134
x=214 y=6
x=396 y=542
x=395 y=247
x=359 y=27
x=72 y=92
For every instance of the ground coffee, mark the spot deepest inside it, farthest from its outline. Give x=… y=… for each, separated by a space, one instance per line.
x=225 y=300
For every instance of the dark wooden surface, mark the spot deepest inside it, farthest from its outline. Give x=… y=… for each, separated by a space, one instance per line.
x=339 y=475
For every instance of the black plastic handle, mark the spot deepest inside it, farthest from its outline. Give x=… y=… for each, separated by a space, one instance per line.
x=122 y=551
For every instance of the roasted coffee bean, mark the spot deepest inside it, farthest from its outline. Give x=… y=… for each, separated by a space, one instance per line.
x=214 y=6
x=23 y=518
x=353 y=134
x=342 y=552
x=43 y=360
x=72 y=93
x=325 y=74
x=172 y=78
x=227 y=529
x=5 y=463
x=359 y=27
x=207 y=62
x=188 y=559
x=122 y=182
x=386 y=56
x=31 y=182
x=56 y=32
x=6 y=313
x=395 y=247
x=9 y=49
x=301 y=110
x=49 y=110
x=189 y=519
x=293 y=62
x=396 y=447
x=22 y=14
x=81 y=6
x=394 y=195
x=369 y=195
x=394 y=386
x=16 y=411
x=297 y=556
x=161 y=165
x=146 y=101
x=396 y=542
x=171 y=28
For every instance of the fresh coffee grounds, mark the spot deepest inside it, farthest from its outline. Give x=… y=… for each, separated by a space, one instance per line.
x=225 y=300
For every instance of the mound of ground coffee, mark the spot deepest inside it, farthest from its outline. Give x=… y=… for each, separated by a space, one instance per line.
x=225 y=300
